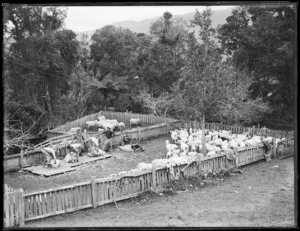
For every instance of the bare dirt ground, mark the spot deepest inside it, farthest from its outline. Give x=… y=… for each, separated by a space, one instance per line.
x=262 y=196
x=121 y=161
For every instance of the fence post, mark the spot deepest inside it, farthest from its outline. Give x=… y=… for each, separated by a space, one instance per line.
x=93 y=185
x=139 y=133
x=22 y=208
x=6 y=210
x=21 y=159
x=236 y=158
x=274 y=148
x=153 y=175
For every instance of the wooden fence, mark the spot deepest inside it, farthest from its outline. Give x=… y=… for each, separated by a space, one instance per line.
x=20 y=207
x=240 y=130
x=146 y=119
x=36 y=157
x=18 y=161
x=93 y=193
x=285 y=149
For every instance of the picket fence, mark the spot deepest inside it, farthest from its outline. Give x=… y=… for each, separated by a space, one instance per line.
x=20 y=207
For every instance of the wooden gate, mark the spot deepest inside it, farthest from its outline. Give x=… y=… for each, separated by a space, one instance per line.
x=285 y=149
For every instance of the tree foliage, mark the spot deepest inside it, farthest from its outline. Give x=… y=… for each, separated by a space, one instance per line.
x=262 y=39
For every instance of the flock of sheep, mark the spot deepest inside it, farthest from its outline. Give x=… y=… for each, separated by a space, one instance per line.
x=101 y=124
x=186 y=145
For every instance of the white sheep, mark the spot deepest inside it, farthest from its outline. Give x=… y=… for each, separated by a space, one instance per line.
x=169 y=154
x=170 y=146
x=136 y=122
x=90 y=124
x=211 y=154
x=108 y=125
x=184 y=147
x=101 y=118
x=174 y=136
x=144 y=166
x=121 y=125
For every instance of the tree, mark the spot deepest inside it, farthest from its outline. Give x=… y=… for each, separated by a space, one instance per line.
x=108 y=85
x=262 y=39
x=43 y=54
x=210 y=87
x=158 y=106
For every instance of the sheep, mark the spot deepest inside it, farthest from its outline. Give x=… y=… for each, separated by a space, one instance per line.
x=178 y=160
x=170 y=147
x=136 y=122
x=161 y=163
x=76 y=147
x=169 y=154
x=115 y=122
x=111 y=126
x=70 y=157
x=90 y=124
x=176 y=152
x=101 y=118
x=183 y=146
x=121 y=126
x=144 y=166
x=211 y=154
x=174 y=136
x=100 y=130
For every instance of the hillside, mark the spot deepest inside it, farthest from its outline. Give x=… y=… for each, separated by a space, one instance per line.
x=143 y=26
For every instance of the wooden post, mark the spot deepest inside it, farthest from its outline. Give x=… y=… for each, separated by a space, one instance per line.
x=21 y=160
x=84 y=134
x=93 y=185
x=153 y=175
x=22 y=208
x=274 y=148
x=6 y=209
x=236 y=158
x=139 y=133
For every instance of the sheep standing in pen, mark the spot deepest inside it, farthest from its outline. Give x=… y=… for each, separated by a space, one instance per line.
x=91 y=124
x=170 y=147
x=121 y=126
x=135 y=122
x=174 y=136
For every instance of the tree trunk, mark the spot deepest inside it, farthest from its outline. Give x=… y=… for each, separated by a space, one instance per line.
x=48 y=99
x=203 y=135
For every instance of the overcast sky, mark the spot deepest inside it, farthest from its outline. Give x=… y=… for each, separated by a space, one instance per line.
x=86 y=18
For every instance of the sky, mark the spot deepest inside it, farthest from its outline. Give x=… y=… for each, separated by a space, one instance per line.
x=84 y=18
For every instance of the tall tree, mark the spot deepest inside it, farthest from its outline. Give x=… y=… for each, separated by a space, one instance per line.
x=262 y=39
x=210 y=87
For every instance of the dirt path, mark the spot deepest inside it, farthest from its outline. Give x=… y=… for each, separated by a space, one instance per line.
x=263 y=196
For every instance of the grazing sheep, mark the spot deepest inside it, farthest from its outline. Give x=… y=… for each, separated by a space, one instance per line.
x=135 y=122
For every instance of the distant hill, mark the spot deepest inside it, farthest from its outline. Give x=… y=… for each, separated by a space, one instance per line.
x=143 y=26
